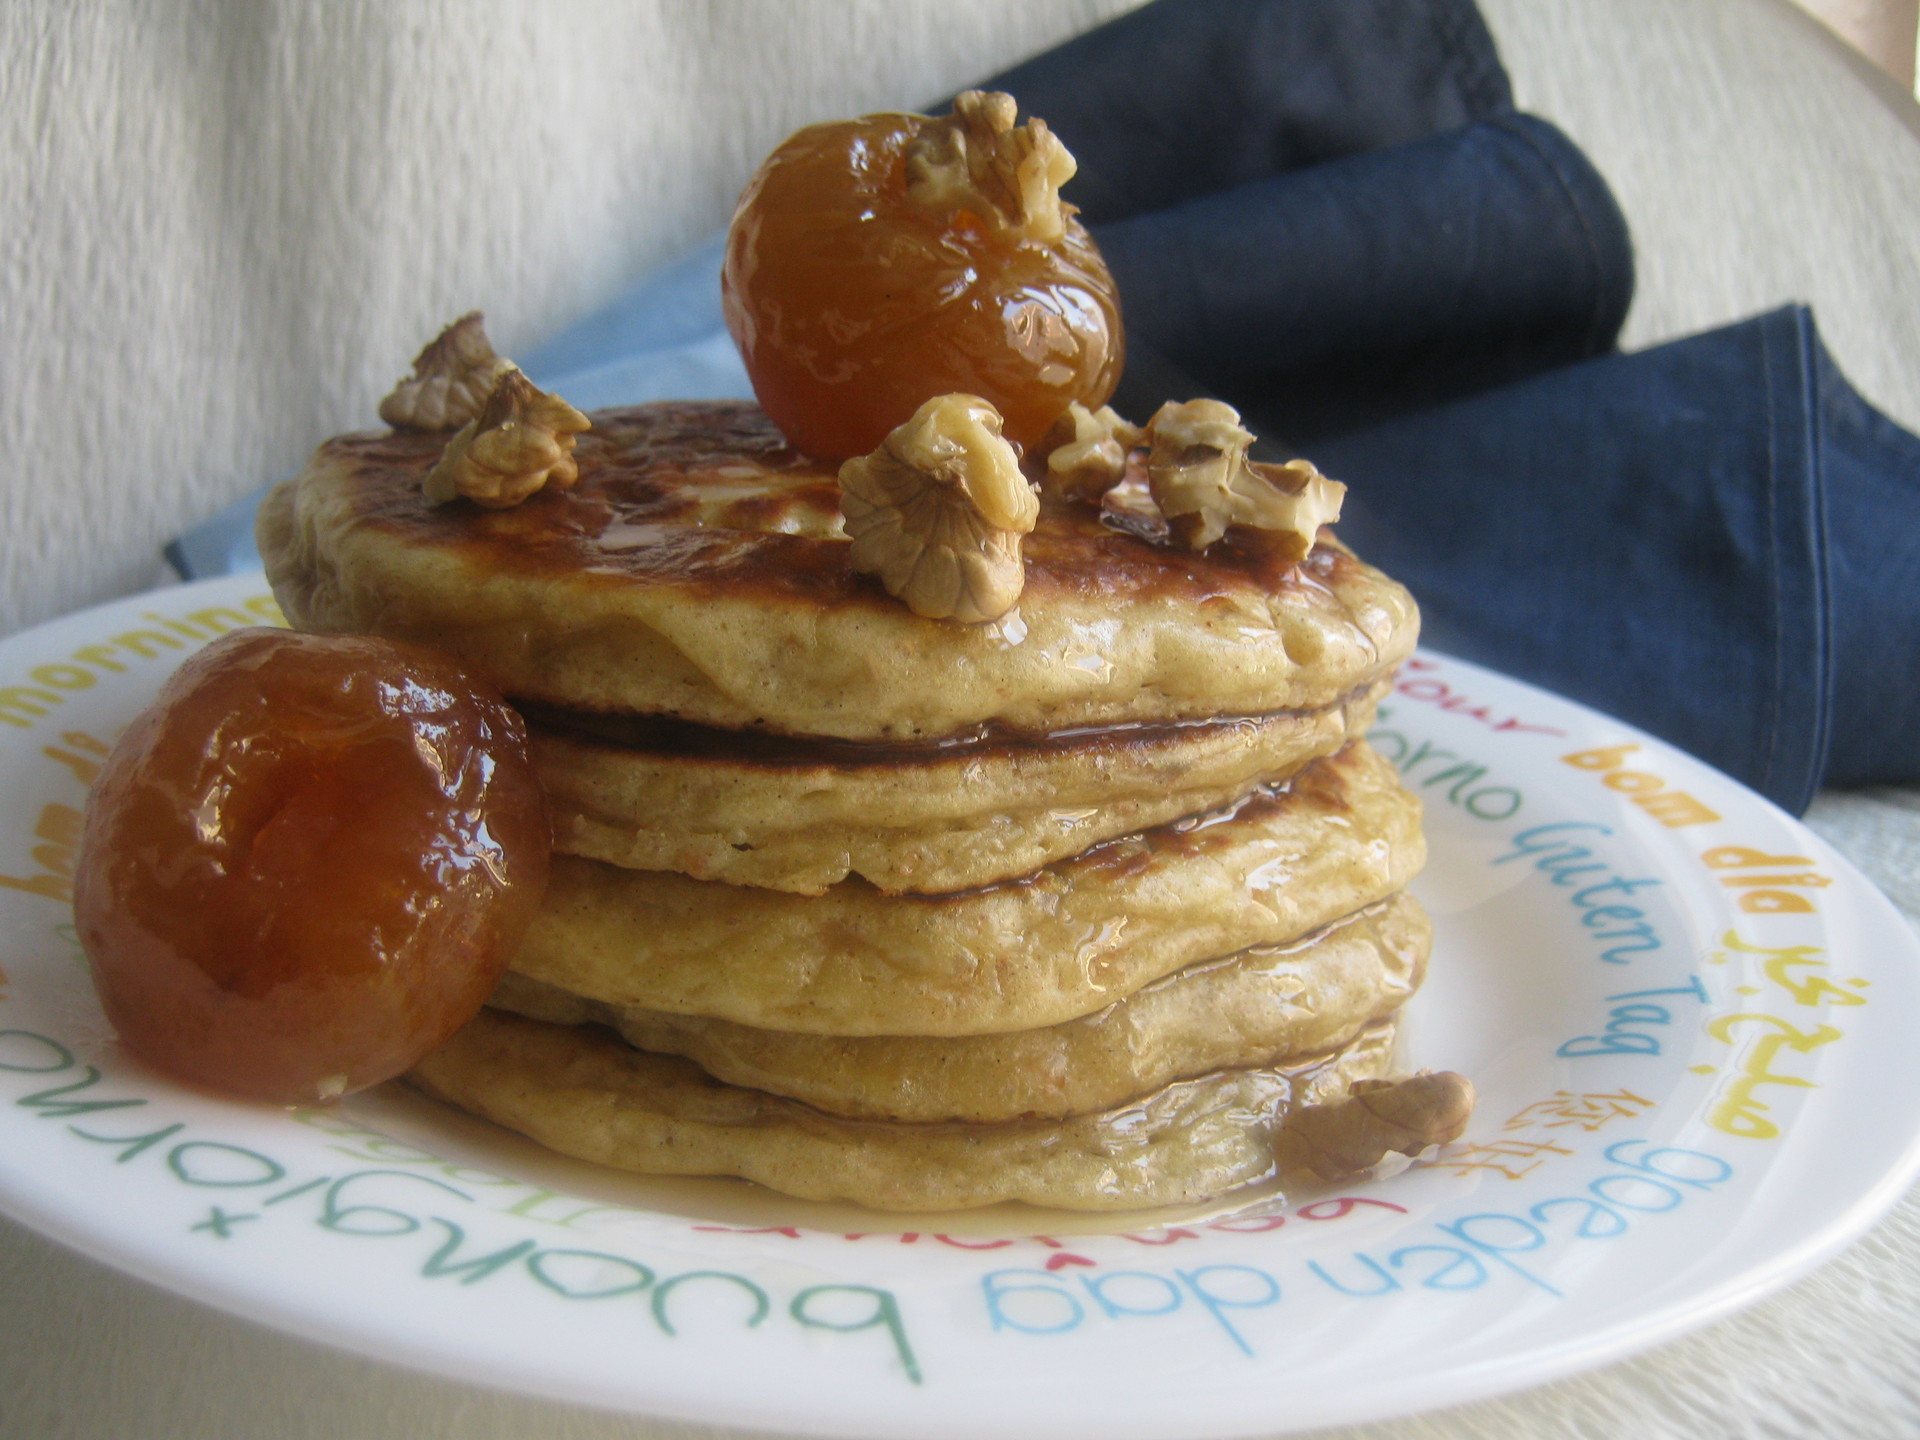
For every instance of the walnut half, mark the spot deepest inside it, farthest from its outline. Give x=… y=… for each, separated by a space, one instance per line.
x=938 y=510
x=1203 y=482
x=1378 y=1118
x=1087 y=453
x=977 y=159
x=521 y=440
x=451 y=379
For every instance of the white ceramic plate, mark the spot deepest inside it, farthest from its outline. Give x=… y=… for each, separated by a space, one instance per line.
x=1687 y=1017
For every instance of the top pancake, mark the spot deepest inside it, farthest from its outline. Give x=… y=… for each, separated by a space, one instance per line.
x=699 y=570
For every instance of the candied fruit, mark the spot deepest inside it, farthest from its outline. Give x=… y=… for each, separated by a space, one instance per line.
x=875 y=263
x=307 y=863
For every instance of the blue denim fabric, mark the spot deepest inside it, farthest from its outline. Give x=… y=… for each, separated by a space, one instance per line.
x=1327 y=211
x=1711 y=539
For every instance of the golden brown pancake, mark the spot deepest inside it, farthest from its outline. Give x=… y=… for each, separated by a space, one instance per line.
x=1061 y=943
x=802 y=815
x=698 y=570
x=584 y=1092
x=994 y=840
x=1263 y=1007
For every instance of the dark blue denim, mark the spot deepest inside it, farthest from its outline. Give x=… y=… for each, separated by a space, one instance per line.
x=1327 y=211
x=1713 y=539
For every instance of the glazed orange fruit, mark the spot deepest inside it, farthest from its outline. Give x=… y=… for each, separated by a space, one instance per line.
x=306 y=864
x=869 y=269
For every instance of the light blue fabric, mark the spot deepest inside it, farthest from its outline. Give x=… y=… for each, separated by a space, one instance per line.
x=672 y=309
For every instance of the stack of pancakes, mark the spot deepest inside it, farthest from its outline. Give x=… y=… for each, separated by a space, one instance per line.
x=1069 y=908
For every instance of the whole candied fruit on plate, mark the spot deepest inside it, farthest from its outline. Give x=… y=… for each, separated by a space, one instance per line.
x=305 y=866
x=875 y=263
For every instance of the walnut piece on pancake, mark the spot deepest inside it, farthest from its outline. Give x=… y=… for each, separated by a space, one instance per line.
x=1203 y=482
x=938 y=510
x=1378 y=1119
x=977 y=159
x=521 y=440
x=451 y=379
x=1087 y=453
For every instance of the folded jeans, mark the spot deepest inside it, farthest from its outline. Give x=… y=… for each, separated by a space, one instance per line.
x=1710 y=539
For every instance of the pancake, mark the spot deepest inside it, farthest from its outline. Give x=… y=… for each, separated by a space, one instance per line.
x=1262 y=1007
x=584 y=1092
x=802 y=815
x=698 y=569
x=1064 y=942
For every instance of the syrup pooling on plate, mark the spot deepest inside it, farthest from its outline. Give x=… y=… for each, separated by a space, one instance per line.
x=304 y=866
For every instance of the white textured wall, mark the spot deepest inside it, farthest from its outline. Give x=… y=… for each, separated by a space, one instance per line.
x=1882 y=30
x=1758 y=160
x=226 y=225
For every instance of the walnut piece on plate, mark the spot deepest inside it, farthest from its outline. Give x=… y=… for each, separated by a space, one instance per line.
x=977 y=159
x=451 y=379
x=521 y=440
x=1379 y=1119
x=1087 y=453
x=938 y=510
x=1203 y=482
